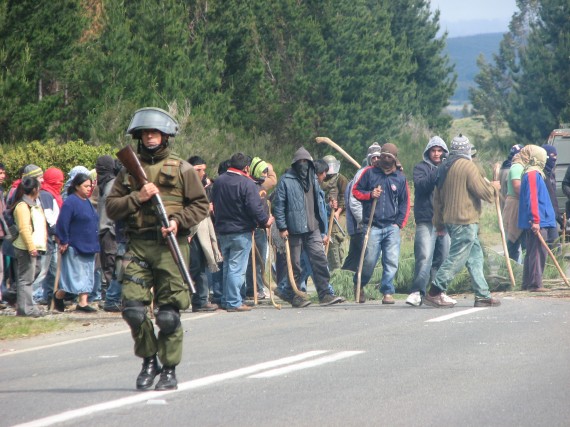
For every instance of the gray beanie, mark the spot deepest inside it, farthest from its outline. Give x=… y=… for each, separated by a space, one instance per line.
x=373 y=151
x=460 y=145
x=32 y=170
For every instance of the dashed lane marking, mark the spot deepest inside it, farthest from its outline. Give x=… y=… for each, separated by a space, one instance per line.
x=456 y=314
x=191 y=385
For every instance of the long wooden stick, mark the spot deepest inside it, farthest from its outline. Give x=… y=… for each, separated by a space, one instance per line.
x=270 y=248
x=290 y=270
x=253 y=267
x=56 y=282
x=545 y=246
x=329 y=232
x=564 y=227
x=363 y=251
x=496 y=170
x=328 y=141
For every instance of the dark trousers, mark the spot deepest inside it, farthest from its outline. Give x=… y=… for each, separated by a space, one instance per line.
x=534 y=260
x=198 y=273
x=312 y=243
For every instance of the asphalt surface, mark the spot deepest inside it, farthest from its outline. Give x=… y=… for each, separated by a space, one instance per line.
x=344 y=365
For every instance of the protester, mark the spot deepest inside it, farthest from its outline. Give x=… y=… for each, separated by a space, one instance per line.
x=504 y=172
x=259 y=170
x=2 y=229
x=204 y=252
x=334 y=186
x=150 y=266
x=301 y=219
x=429 y=245
x=535 y=217
x=550 y=181
x=354 y=225
x=514 y=235
x=383 y=181
x=30 y=244
x=238 y=210
x=105 y=168
x=77 y=234
x=51 y=201
x=72 y=173
x=457 y=207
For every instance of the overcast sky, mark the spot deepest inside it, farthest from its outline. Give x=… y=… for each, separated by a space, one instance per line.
x=466 y=17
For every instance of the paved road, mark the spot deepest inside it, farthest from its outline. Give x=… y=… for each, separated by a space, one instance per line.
x=345 y=365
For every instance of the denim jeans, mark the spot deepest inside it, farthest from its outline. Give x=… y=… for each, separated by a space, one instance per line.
x=465 y=250
x=383 y=242
x=429 y=251
x=236 y=248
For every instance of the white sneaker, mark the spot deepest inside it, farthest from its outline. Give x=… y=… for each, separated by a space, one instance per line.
x=447 y=298
x=414 y=299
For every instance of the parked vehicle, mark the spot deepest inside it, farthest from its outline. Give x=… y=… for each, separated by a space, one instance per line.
x=560 y=138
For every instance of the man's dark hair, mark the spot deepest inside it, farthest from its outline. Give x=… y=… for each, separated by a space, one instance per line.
x=321 y=166
x=2 y=167
x=223 y=166
x=239 y=161
x=196 y=160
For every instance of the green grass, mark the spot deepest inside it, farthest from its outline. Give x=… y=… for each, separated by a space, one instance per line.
x=23 y=327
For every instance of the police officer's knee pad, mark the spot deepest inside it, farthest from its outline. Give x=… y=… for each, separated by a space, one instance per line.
x=134 y=313
x=168 y=319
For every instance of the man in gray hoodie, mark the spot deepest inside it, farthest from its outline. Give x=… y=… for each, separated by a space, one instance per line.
x=430 y=247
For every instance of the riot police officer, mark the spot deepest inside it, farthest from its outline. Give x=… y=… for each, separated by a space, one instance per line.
x=148 y=265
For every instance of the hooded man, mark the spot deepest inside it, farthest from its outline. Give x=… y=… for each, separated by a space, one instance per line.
x=387 y=183
x=457 y=208
x=430 y=247
x=301 y=218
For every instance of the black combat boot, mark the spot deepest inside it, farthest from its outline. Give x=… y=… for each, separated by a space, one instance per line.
x=167 y=379
x=150 y=369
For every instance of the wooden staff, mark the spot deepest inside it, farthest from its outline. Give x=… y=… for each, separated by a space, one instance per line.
x=56 y=282
x=564 y=227
x=270 y=248
x=328 y=141
x=329 y=232
x=545 y=245
x=253 y=267
x=363 y=251
x=290 y=270
x=496 y=170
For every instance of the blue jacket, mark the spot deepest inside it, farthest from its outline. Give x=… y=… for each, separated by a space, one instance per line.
x=393 y=206
x=237 y=204
x=78 y=225
x=534 y=203
x=289 y=205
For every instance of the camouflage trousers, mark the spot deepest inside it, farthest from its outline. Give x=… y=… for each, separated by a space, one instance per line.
x=150 y=273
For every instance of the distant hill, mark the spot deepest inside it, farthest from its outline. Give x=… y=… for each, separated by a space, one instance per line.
x=463 y=52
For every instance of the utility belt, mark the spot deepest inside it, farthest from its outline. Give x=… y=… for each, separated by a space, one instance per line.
x=155 y=236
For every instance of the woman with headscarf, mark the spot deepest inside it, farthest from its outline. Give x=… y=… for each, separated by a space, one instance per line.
x=504 y=172
x=72 y=173
x=515 y=237
x=536 y=215
x=77 y=231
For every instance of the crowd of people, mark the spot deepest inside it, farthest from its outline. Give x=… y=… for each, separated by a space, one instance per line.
x=100 y=234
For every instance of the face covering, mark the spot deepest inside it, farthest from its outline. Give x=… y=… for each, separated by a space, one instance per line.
x=302 y=170
x=387 y=164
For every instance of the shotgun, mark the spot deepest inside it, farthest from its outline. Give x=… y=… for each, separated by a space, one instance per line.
x=131 y=162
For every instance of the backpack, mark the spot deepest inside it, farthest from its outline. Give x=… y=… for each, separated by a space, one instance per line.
x=11 y=230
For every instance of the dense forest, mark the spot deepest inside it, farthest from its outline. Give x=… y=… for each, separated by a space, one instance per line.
x=232 y=72
x=266 y=77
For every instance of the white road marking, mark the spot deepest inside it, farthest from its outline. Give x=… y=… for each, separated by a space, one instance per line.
x=457 y=314
x=306 y=365
x=157 y=395
x=7 y=352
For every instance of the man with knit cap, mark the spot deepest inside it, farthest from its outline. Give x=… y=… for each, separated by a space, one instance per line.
x=457 y=208
x=301 y=218
x=354 y=225
x=385 y=182
x=430 y=247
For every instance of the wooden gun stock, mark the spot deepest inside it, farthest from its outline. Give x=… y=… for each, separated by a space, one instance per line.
x=131 y=162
